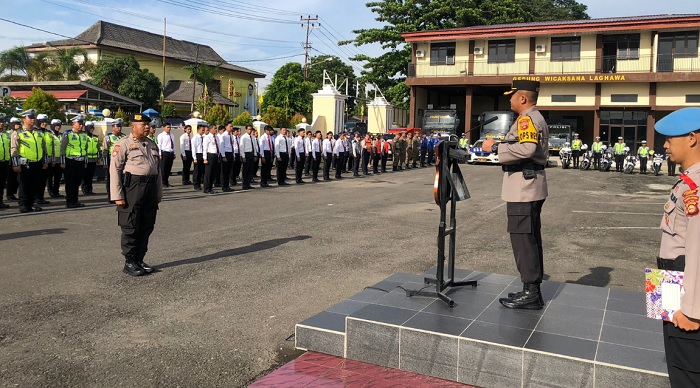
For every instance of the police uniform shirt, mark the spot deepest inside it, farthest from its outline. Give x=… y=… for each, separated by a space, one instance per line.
x=166 y=142
x=16 y=139
x=185 y=141
x=282 y=145
x=339 y=147
x=211 y=145
x=527 y=140
x=197 y=142
x=67 y=136
x=266 y=142
x=300 y=146
x=328 y=146
x=136 y=157
x=225 y=139
x=247 y=145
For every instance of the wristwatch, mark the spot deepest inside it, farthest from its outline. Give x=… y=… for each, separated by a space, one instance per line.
x=494 y=148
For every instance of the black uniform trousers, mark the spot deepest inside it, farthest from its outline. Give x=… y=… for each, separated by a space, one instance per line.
x=327 y=161
x=348 y=161
x=682 y=349
x=29 y=179
x=292 y=158
x=13 y=182
x=41 y=187
x=365 y=161
x=54 y=178
x=341 y=164
x=524 y=226
x=4 y=172
x=307 y=164
x=356 y=160
x=576 y=155
x=619 y=160
x=266 y=171
x=73 y=175
x=376 y=162
x=226 y=170
x=235 y=169
x=248 y=169
x=316 y=165
x=671 y=172
x=596 y=159
x=186 y=167
x=301 y=162
x=88 y=174
x=138 y=218
x=384 y=159
x=282 y=167
x=423 y=153
x=198 y=172
x=166 y=165
x=643 y=164
x=431 y=155
x=210 y=170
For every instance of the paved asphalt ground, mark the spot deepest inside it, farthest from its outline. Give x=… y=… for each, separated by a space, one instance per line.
x=239 y=270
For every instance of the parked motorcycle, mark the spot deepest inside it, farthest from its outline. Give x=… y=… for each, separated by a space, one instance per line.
x=606 y=159
x=657 y=162
x=565 y=156
x=630 y=161
x=587 y=159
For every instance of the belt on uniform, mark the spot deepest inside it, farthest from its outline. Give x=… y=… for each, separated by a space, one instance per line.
x=522 y=166
x=144 y=178
x=77 y=158
x=677 y=264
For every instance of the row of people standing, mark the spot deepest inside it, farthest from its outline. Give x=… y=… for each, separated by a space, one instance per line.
x=619 y=151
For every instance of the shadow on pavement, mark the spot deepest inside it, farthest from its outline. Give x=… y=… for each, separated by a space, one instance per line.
x=31 y=233
x=599 y=277
x=256 y=247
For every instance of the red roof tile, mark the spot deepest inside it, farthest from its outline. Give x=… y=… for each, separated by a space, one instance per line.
x=59 y=94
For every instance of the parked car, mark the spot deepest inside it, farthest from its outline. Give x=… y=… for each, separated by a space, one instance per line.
x=356 y=126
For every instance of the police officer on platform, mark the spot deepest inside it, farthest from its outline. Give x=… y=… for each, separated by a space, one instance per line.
x=137 y=189
x=680 y=246
x=524 y=156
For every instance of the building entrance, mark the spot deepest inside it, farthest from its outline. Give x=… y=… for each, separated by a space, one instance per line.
x=631 y=125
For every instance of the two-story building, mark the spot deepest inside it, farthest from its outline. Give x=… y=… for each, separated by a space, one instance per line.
x=605 y=77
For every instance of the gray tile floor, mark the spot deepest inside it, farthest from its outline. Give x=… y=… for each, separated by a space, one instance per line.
x=584 y=322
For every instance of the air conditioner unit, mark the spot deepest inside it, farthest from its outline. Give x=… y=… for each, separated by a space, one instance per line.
x=450 y=60
x=420 y=53
x=540 y=48
x=478 y=51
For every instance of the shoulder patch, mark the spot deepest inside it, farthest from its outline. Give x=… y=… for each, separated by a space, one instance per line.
x=527 y=133
x=115 y=150
x=690 y=199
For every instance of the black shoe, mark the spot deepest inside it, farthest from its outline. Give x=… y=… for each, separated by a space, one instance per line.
x=166 y=184
x=327 y=179
x=246 y=188
x=4 y=205
x=36 y=209
x=43 y=202
x=133 y=269
x=145 y=267
x=315 y=180
x=528 y=299
x=300 y=182
x=207 y=191
x=227 y=190
x=11 y=197
x=198 y=188
x=24 y=210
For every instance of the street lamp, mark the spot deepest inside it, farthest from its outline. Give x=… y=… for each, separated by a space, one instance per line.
x=327 y=59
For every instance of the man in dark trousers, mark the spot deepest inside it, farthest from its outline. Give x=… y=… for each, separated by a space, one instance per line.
x=340 y=151
x=282 y=149
x=680 y=246
x=166 y=145
x=186 y=154
x=301 y=152
x=108 y=144
x=73 y=160
x=93 y=154
x=212 y=154
x=198 y=156
x=524 y=156
x=249 y=156
x=137 y=189
x=29 y=159
x=237 y=163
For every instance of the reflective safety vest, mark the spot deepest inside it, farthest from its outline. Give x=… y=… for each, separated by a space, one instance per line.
x=463 y=143
x=53 y=144
x=643 y=151
x=620 y=148
x=93 y=145
x=30 y=146
x=576 y=145
x=153 y=139
x=597 y=146
x=113 y=139
x=76 y=145
x=4 y=147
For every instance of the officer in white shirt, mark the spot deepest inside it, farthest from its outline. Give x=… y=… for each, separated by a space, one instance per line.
x=307 y=162
x=236 y=167
x=327 y=155
x=186 y=154
x=316 y=154
x=226 y=141
x=198 y=156
x=301 y=152
x=339 y=151
x=166 y=148
x=282 y=150
x=249 y=148
x=267 y=153
x=214 y=154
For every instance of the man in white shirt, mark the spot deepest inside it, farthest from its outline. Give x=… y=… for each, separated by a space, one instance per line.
x=267 y=152
x=356 y=152
x=249 y=148
x=166 y=147
x=282 y=149
x=226 y=141
x=236 y=167
x=198 y=156
x=212 y=150
x=309 y=158
x=327 y=155
x=339 y=151
x=186 y=154
x=316 y=154
x=301 y=153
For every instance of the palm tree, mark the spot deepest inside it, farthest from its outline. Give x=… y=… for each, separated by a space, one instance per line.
x=42 y=68
x=72 y=63
x=15 y=60
x=204 y=74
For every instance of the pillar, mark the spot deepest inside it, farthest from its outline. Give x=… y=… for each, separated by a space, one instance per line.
x=379 y=116
x=328 y=110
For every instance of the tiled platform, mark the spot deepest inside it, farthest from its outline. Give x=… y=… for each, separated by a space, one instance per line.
x=585 y=337
x=315 y=370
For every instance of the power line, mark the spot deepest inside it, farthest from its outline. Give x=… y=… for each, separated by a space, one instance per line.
x=307 y=22
x=266 y=59
x=342 y=38
x=204 y=7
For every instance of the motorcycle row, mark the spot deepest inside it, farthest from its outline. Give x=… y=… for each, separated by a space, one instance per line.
x=606 y=160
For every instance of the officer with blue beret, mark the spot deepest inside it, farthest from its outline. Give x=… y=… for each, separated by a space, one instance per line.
x=680 y=245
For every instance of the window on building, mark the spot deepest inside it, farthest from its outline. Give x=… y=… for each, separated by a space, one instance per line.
x=684 y=44
x=442 y=54
x=624 y=97
x=501 y=51
x=692 y=98
x=566 y=48
x=563 y=98
x=628 y=46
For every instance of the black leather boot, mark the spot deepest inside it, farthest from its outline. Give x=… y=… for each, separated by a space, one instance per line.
x=133 y=269
x=145 y=267
x=516 y=294
x=528 y=299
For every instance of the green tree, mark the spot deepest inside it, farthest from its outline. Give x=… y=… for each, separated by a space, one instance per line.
x=275 y=117
x=243 y=119
x=141 y=85
x=125 y=76
x=43 y=103
x=390 y=69
x=296 y=119
x=15 y=61
x=289 y=91
x=67 y=65
x=122 y=115
x=167 y=110
x=203 y=74
x=217 y=114
x=8 y=106
x=333 y=66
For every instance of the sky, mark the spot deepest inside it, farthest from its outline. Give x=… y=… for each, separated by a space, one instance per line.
x=261 y=35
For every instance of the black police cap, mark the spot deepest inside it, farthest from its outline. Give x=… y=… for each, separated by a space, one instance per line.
x=525 y=85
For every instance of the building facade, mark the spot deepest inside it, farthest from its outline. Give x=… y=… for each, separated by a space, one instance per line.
x=604 y=77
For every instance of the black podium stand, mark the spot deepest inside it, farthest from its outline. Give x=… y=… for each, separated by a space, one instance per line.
x=449 y=189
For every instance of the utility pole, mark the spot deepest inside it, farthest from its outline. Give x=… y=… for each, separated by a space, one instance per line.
x=306 y=22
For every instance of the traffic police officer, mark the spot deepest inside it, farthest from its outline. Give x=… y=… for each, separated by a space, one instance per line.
x=93 y=153
x=597 y=148
x=73 y=160
x=108 y=146
x=43 y=130
x=680 y=246
x=643 y=154
x=136 y=188
x=13 y=177
x=53 y=148
x=28 y=152
x=576 y=149
x=524 y=156
x=619 y=154
x=5 y=140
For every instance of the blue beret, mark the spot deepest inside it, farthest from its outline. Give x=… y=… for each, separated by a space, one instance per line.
x=680 y=122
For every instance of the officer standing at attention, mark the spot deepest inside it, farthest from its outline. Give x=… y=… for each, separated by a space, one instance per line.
x=212 y=154
x=166 y=145
x=680 y=246
x=73 y=160
x=597 y=148
x=282 y=145
x=339 y=151
x=13 y=177
x=643 y=155
x=28 y=152
x=108 y=146
x=524 y=156
x=93 y=153
x=136 y=188
x=249 y=149
x=576 y=149
x=5 y=140
x=186 y=154
x=44 y=131
x=619 y=154
x=53 y=149
x=301 y=155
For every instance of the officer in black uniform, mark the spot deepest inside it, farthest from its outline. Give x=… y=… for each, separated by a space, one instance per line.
x=136 y=188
